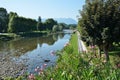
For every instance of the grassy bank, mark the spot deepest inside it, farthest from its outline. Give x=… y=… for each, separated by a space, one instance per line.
x=32 y=34
x=7 y=36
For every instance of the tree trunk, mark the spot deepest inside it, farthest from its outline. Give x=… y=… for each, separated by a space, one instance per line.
x=105 y=49
x=99 y=52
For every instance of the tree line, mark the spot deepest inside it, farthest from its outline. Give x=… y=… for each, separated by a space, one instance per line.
x=100 y=24
x=13 y=23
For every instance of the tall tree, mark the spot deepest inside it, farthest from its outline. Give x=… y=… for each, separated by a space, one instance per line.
x=3 y=20
x=55 y=28
x=11 y=24
x=20 y=24
x=99 y=23
x=39 y=24
x=49 y=23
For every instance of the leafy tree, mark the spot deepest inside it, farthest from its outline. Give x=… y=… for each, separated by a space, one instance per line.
x=99 y=23
x=49 y=23
x=72 y=26
x=63 y=25
x=20 y=24
x=60 y=27
x=11 y=24
x=3 y=20
x=55 y=28
x=39 y=24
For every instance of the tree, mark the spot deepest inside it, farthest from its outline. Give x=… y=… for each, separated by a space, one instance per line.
x=55 y=28
x=99 y=23
x=72 y=26
x=11 y=24
x=3 y=20
x=39 y=24
x=49 y=23
x=63 y=25
x=20 y=24
x=60 y=27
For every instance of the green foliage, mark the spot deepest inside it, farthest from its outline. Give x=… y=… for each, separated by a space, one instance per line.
x=20 y=24
x=60 y=28
x=39 y=19
x=72 y=26
x=11 y=24
x=39 y=24
x=55 y=28
x=68 y=49
x=99 y=23
x=3 y=20
x=49 y=23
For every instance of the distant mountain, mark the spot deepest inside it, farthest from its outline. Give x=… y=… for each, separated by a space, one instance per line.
x=64 y=20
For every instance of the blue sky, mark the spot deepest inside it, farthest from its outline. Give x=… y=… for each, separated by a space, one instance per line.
x=44 y=8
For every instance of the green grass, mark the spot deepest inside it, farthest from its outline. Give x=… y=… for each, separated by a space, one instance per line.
x=74 y=43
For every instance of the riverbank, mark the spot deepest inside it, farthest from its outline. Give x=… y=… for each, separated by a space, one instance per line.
x=9 y=68
x=8 y=36
x=11 y=36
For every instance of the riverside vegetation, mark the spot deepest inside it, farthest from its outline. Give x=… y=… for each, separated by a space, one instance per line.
x=99 y=27
x=72 y=65
x=12 y=23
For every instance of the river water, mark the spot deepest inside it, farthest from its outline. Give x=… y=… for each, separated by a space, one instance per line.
x=35 y=51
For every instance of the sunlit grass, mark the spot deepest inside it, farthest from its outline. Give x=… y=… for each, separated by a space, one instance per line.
x=74 y=43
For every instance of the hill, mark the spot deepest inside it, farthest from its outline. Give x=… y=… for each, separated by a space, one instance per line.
x=64 y=20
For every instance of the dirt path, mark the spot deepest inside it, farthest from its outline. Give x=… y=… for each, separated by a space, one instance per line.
x=81 y=46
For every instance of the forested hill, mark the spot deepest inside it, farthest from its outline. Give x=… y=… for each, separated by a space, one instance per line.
x=64 y=20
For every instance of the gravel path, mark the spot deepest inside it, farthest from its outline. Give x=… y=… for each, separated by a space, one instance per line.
x=81 y=46
x=9 y=68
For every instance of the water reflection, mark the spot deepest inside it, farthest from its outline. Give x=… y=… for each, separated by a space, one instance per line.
x=21 y=46
x=34 y=51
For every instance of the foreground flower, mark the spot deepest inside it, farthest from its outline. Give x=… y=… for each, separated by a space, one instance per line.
x=31 y=77
x=37 y=69
x=92 y=46
x=104 y=61
x=44 y=65
x=40 y=70
x=66 y=44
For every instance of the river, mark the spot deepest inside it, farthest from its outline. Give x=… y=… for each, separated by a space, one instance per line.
x=34 y=51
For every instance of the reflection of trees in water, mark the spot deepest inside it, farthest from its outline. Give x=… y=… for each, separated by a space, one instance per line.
x=48 y=40
x=61 y=35
x=55 y=37
x=21 y=46
x=3 y=46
